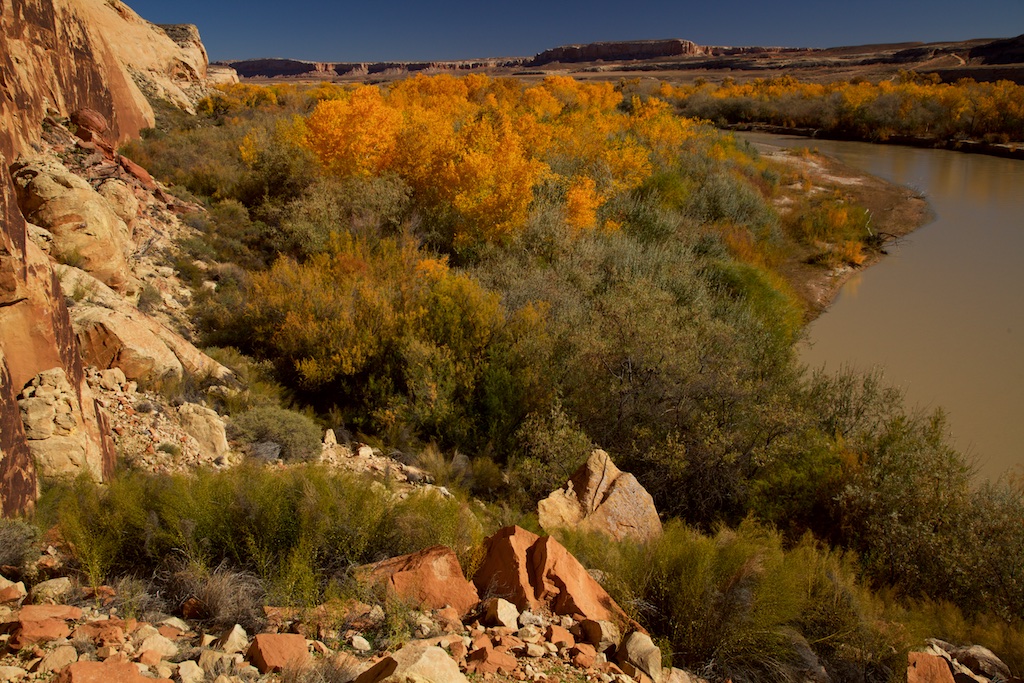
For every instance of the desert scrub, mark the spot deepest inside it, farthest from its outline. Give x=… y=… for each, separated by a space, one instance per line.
x=296 y=434
x=297 y=531
x=735 y=604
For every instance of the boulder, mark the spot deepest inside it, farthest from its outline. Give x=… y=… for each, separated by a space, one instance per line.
x=89 y=122
x=52 y=591
x=600 y=497
x=926 y=668
x=637 y=650
x=505 y=569
x=114 y=333
x=110 y=339
x=58 y=658
x=86 y=231
x=565 y=585
x=981 y=661
x=206 y=427
x=416 y=663
x=109 y=671
x=534 y=573
x=272 y=652
x=429 y=579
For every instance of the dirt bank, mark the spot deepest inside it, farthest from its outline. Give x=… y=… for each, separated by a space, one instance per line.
x=895 y=212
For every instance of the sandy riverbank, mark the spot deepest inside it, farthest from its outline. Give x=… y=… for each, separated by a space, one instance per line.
x=896 y=211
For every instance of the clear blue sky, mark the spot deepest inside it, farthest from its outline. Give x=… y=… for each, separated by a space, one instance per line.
x=409 y=30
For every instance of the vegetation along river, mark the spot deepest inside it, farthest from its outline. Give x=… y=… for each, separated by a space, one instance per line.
x=943 y=314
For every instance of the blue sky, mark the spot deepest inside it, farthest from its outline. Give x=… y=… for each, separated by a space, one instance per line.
x=404 y=30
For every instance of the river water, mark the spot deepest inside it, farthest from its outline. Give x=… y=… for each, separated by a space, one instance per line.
x=943 y=314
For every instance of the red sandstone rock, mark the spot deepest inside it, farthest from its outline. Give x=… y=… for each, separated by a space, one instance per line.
x=559 y=636
x=38 y=612
x=272 y=652
x=926 y=668
x=583 y=655
x=42 y=631
x=431 y=579
x=141 y=174
x=109 y=671
x=505 y=570
x=491 y=660
x=534 y=572
x=564 y=584
x=89 y=120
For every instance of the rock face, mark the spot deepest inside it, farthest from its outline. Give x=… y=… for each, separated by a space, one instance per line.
x=538 y=573
x=430 y=579
x=113 y=333
x=85 y=230
x=600 y=497
x=58 y=57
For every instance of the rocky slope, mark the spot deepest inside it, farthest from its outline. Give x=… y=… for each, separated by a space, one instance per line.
x=59 y=58
x=546 y=620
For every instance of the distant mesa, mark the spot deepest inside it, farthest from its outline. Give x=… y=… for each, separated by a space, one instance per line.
x=618 y=51
x=982 y=59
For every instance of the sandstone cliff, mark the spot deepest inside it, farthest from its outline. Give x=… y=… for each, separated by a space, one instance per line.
x=58 y=57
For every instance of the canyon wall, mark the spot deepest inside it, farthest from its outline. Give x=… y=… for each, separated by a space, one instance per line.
x=58 y=57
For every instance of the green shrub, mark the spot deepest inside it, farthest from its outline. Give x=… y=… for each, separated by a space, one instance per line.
x=737 y=605
x=297 y=434
x=296 y=531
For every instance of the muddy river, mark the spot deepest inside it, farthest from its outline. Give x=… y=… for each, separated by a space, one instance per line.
x=943 y=314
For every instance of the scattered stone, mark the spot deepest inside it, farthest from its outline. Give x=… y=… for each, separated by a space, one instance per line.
x=57 y=659
x=415 y=663
x=360 y=644
x=487 y=660
x=12 y=593
x=559 y=636
x=232 y=640
x=103 y=672
x=159 y=644
x=52 y=591
x=8 y=674
x=272 y=652
x=583 y=655
x=500 y=612
x=206 y=427
x=175 y=622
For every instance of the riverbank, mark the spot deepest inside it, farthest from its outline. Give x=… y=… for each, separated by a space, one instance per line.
x=895 y=212
x=1007 y=151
